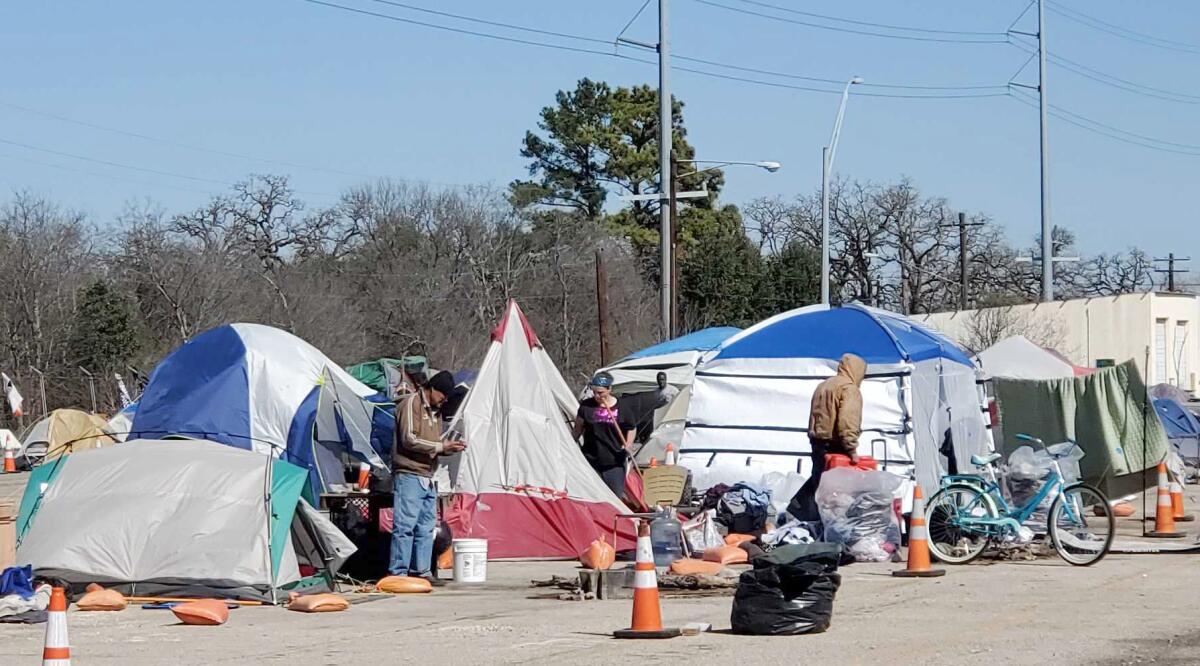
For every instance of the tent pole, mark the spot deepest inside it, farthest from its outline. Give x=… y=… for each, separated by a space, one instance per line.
x=267 y=480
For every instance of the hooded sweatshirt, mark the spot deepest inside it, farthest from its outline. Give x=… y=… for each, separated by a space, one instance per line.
x=836 y=415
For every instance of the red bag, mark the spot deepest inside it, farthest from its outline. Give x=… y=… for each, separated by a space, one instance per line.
x=835 y=460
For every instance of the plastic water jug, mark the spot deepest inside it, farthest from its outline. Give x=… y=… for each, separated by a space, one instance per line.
x=666 y=538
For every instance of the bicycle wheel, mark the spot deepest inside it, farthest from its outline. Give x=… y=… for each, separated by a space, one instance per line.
x=1081 y=525
x=949 y=540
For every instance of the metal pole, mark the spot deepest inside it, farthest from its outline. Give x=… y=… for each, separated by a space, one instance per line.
x=675 y=328
x=1047 y=229
x=602 y=306
x=91 y=386
x=825 y=225
x=962 y=261
x=664 y=165
x=41 y=388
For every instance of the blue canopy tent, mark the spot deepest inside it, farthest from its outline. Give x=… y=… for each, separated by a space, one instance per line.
x=678 y=357
x=750 y=400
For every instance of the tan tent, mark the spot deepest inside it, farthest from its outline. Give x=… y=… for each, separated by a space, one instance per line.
x=64 y=431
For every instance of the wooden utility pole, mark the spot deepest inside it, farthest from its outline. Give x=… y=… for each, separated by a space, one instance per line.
x=602 y=306
x=963 y=265
x=1171 y=270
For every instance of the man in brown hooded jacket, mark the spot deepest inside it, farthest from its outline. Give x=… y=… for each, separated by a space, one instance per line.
x=834 y=424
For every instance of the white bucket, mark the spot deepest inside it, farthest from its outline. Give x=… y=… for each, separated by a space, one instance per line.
x=470 y=560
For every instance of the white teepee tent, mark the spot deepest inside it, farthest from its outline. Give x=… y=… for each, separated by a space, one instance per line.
x=523 y=483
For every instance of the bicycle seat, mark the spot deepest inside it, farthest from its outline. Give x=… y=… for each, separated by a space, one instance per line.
x=981 y=461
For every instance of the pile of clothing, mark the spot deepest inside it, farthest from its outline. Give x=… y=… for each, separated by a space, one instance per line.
x=859 y=509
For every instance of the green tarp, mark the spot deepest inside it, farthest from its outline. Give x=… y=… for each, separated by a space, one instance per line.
x=1106 y=413
x=373 y=374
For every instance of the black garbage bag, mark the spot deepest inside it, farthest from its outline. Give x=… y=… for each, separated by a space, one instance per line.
x=790 y=591
x=441 y=540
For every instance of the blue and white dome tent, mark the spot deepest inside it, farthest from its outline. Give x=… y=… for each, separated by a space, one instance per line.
x=259 y=388
x=751 y=396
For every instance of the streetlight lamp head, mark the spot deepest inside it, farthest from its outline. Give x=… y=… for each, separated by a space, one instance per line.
x=857 y=79
x=769 y=166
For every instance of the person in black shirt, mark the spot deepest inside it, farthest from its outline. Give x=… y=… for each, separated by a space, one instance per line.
x=607 y=435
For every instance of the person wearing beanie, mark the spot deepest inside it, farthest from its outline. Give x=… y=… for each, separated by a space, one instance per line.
x=415 y=453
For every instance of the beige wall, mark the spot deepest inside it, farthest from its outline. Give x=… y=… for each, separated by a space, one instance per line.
x=1087 y=329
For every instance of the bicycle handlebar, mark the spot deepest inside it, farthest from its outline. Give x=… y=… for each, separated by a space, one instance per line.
x=1029 y=438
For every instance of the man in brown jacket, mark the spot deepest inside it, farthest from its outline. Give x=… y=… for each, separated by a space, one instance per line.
x=414 y=458
x=834 y=424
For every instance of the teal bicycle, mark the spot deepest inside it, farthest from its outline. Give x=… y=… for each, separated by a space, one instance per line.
x=969 y=512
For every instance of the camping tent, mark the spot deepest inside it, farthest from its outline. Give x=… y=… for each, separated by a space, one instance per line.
x=523 y=483
x=638 y=371
x=1018 y=358
x=263 y=389
x=120 y=424
x=1182 y=426
x=64 y=431
x=186 y=518
x=750 y=401
x=385 y=375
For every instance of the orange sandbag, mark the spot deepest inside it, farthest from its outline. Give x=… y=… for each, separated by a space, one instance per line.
x=202 y=611
x=599 y=555
x=726 y=555
x=1119 y=510
x=735 y=539
x=92 y=587
x=690 y=567
x=101 y=600
x=404 y=585
x=318 y=603
x=446 y=559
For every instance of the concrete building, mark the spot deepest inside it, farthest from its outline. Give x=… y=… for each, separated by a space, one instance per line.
x=1158 y=330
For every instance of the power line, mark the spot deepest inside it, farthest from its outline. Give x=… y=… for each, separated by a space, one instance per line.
x=1111 y=80
x=1121 y=31
x=990 y=38
x=871 y=24
x=498 y=24
x=838 y=82
x=177 y=144
x=103 y=175
x=967 y=91
x=1109 y=131
x=630 y=22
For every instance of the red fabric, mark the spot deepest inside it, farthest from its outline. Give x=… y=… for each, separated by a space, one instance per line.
x=519 y=525
x=530 y=336
x=835 y=460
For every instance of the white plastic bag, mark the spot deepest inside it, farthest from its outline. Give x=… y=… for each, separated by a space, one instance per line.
x=1026 y=473
x=701 y=532
x=857 y=509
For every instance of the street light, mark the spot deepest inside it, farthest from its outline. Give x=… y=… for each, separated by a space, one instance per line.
x=827 y=154
x=770 y=166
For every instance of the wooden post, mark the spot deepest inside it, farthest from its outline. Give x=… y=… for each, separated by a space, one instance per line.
x=602 y=306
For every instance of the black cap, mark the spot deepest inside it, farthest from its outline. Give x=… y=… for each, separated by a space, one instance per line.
x=442 y=382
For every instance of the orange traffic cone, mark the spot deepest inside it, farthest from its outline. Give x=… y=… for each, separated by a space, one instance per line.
x=10 y=460
x=918 y=543
x=1179 y=514
x=364 y=477
x=670 y=458
x=57 y=650
x=1164 y=512
x=647 y=617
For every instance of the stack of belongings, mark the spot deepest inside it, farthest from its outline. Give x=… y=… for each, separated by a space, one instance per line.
x=860 y=509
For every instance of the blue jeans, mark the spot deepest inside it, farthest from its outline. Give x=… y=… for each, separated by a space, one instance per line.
x=414 y=516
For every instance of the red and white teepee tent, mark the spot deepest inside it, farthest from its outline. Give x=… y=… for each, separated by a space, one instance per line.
x=523 y=483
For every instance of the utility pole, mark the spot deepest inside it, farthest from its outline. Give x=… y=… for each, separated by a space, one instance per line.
x=1043 y=104
x=674 y=248
x=602 y=306
x=664 y=164
x=1171 y=271
x=91 y=386
x=963 y=266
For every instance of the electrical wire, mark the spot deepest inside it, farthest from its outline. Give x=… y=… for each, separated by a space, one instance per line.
x=967 y=91
x=98 y=174
x=1121 y=31
x=839 y=82
x=1110 y=80
x=497 y=24
x=118 y=165
x=871 y=24
x=630 y=22
x=992 y=38
x=1109 y=131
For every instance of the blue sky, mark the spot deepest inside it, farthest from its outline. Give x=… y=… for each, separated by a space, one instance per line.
x=347 y=97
